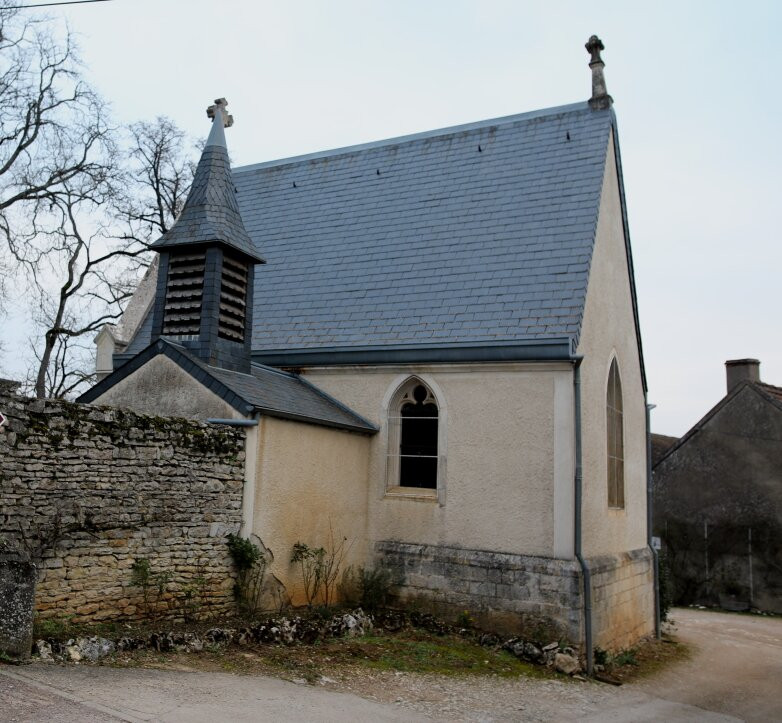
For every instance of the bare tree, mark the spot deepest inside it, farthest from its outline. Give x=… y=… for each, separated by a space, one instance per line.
x=97 y=272
x=54 y=135
x=79 y=201
x=161 y=174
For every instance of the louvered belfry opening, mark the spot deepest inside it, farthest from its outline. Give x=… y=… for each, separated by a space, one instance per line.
x=233 y=299
x=184 y=294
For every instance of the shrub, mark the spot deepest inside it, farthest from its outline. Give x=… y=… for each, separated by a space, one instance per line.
x=368 y=587
x=250 y=562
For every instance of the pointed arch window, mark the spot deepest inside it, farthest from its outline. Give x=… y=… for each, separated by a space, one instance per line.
x=413 y=450
x=615 y=432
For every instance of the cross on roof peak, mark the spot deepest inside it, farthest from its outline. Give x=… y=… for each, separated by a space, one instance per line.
x=220 y=107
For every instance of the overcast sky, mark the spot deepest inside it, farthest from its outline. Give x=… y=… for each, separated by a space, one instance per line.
x=696 y=87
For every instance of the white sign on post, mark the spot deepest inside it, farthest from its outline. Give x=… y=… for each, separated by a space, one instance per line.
x=657 y=543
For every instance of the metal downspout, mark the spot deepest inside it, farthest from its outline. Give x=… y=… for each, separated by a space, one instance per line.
x=650 y=520
x=587 y=577
x=234 y=422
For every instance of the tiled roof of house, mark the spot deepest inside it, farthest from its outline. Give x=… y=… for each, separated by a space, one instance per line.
x=661 y=443
x=475 y=234
x=770 y=390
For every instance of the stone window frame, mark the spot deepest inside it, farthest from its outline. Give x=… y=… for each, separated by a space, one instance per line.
x=392 y=407
x=615 y=437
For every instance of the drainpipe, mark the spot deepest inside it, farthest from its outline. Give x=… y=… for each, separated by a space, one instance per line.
x=235 y=422
x=250 y=469
x=649 y=520
x=587 y=577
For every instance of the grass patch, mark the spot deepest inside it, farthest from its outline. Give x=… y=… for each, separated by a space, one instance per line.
x=410 y=651
x=420 y=652
x=62 y=628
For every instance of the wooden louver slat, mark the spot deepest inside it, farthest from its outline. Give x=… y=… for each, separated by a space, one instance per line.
x=184 y=291
x=233 y=300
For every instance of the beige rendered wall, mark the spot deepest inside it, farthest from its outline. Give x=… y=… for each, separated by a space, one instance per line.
x=608 y=330
x=309 y=481
x=162 y=388
x=506 y=455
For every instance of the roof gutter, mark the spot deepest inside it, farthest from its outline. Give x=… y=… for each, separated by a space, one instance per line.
x=554 y=349
x=578 y=483
x=234 y=422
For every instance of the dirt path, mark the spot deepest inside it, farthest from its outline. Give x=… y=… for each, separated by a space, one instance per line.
x=736 y=666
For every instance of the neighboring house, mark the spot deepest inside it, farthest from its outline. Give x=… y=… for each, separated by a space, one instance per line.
x=661 y=443
x=438 y=338
x=718 y=498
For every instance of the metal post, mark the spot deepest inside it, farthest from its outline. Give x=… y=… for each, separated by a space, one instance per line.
x=749 y=551
x=706 y=553
x=649 y=525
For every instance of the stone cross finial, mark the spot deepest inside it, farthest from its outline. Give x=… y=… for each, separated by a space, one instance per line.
x=594 y=46
x=600 y=98
x=220 y=105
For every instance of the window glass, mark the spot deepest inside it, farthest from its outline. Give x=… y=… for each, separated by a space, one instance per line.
x=418 y=440
x=615 y=441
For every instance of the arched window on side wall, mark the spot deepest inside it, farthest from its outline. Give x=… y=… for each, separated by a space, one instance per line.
x=615 y=432
x=413 y=433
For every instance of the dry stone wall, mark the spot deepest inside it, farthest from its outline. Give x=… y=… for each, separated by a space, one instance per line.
x=91 y=491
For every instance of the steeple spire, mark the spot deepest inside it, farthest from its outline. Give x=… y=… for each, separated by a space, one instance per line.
x=211 y=213
x=204 y=296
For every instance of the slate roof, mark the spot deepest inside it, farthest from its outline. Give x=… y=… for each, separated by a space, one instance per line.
x=269 y=391
x=479 y=234
x=211 y=212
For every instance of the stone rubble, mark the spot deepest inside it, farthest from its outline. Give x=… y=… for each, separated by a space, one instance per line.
x=280 y=631
x=297 y=629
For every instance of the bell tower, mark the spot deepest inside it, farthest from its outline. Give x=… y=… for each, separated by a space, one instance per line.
x=204 y=295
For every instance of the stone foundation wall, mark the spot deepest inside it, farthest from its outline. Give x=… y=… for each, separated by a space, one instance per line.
x=622 y=598
x=89 y=491
x=532 y=596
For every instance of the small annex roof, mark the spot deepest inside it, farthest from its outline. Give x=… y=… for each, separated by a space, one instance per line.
x=211 y=213
x=480 y=234
x=267 y=391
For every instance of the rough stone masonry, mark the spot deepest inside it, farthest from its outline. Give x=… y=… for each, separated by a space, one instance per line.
x=89 y=492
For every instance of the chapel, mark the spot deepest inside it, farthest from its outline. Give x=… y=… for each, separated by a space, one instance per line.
x=433 y=345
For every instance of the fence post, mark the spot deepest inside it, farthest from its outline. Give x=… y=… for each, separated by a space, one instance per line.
x=749 y=552
x=706 y=555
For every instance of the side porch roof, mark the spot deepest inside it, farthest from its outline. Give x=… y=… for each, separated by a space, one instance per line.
x=265 y=390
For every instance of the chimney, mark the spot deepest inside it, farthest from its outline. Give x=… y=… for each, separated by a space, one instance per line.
x=741 y=370
x=600 y=99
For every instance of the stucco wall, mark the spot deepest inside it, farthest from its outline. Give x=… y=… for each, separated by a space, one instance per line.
x=504 y=426
x=310 y=481
x=608 y=330
x=162 y=387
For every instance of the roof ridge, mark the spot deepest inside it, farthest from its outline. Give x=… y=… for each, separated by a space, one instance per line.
x=770 y=386
x=421 y=135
